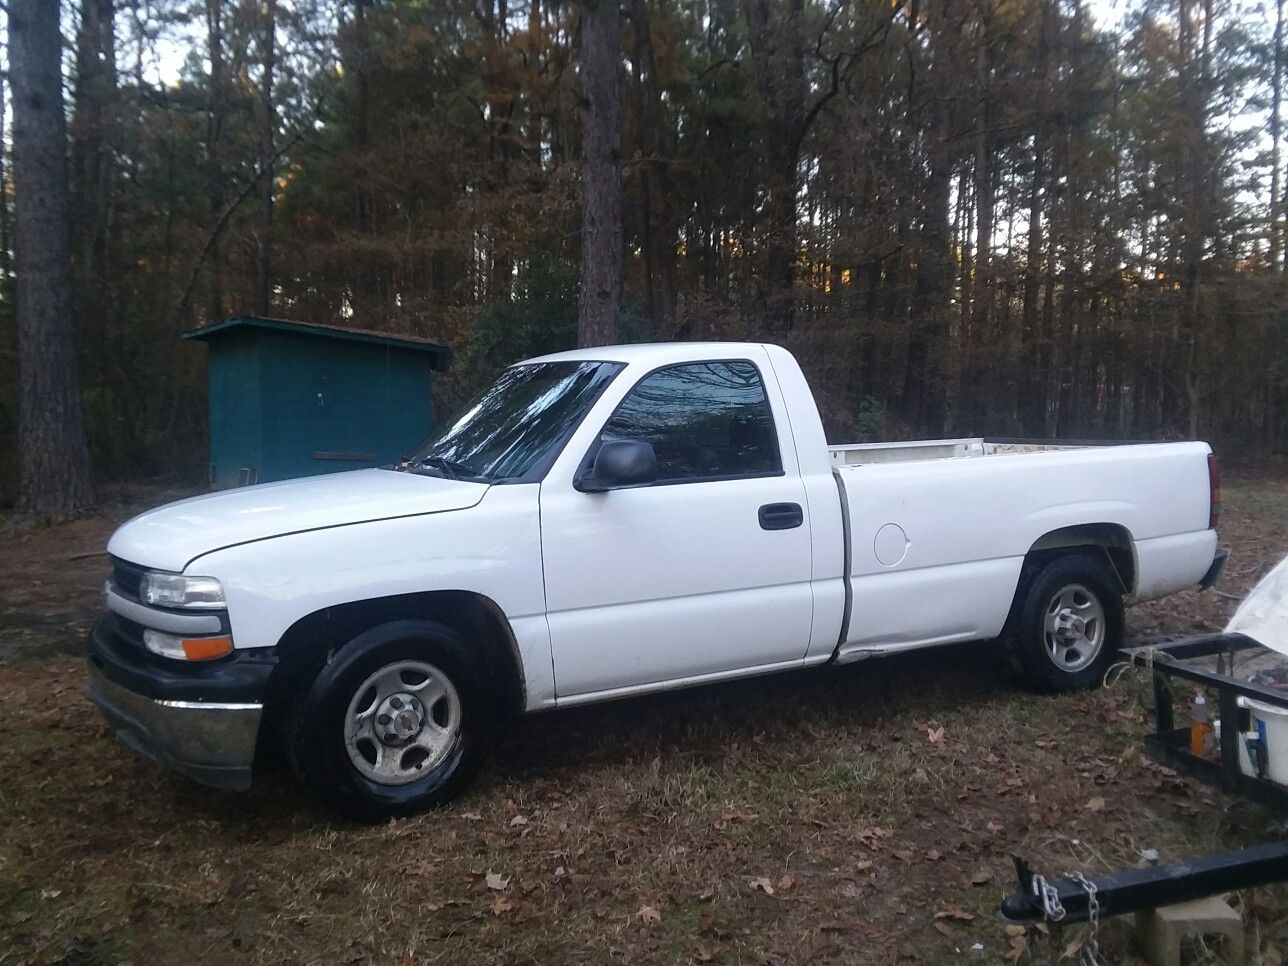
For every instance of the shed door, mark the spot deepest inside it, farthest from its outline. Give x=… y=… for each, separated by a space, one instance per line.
x=342 y=406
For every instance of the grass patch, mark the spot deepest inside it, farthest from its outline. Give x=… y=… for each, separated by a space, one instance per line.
x=869 y=798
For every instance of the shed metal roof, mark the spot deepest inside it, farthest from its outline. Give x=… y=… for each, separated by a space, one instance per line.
x=442 y=354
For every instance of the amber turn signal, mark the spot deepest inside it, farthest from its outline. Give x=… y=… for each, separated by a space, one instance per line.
x=206 y=648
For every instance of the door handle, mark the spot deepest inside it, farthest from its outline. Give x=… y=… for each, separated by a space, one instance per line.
x=781 y=516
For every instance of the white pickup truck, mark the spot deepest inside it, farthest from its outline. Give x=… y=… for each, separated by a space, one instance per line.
x=604 y=523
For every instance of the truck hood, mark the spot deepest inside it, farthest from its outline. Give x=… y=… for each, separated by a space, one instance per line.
x=172 y=536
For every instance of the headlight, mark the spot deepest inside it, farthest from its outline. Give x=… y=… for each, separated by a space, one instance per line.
x=176 y=590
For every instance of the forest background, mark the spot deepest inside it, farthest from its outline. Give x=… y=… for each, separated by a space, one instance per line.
x=1050 y=218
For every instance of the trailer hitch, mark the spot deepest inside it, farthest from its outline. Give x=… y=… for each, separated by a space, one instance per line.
x=1068 y=899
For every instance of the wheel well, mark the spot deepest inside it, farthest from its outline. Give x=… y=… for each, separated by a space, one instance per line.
x=1112 y=540
x=309 y=643
x=1107 y=539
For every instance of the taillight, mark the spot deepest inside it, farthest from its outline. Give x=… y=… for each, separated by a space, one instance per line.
x=1214 y=491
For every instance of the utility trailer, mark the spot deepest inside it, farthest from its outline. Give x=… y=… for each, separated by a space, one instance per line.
x=1246 y=668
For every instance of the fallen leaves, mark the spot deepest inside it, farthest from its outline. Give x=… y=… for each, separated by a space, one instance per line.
x=873 y=837
x=762 y=883
x=619 y=855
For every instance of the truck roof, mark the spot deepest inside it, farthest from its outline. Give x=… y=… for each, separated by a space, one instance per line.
x=653 y=353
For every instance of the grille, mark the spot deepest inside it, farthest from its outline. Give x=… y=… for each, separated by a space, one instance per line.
x=127 y=632
x=126 y=578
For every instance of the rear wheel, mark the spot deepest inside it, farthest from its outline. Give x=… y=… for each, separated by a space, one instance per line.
x=1068 y=626
x=398 y=722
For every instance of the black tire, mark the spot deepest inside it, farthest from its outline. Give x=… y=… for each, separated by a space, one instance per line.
x=1080 y=575
x=319 y=751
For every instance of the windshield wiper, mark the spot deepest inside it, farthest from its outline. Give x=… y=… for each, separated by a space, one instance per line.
x=449 y=469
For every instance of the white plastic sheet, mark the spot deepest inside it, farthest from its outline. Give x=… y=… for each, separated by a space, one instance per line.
x=1263 y=615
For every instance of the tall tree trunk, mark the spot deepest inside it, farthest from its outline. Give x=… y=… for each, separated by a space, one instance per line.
x=6 y=225
x=775 y=33
x=214 y=135
x=53 y=459
x=1197 y=212
x=925 y=383
x=984 y=194
x=267 y=136
x=1276 y=102
x=1036 y=355
x=924 y=390
x=659 y=229
x=601 y=175
x=93 y=117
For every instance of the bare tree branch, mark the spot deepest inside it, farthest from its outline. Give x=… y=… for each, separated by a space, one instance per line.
x=217 y=229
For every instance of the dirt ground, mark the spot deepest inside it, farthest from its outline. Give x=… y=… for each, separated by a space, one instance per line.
x=863 y=814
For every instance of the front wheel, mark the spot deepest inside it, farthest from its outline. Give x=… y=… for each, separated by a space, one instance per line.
x=1069 y=624
x=399 y=721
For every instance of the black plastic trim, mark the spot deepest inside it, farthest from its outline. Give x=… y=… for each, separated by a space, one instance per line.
x=1214 y=572
x=846 y=555
x=239 y=678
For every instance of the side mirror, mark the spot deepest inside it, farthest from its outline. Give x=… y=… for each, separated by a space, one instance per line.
x=619 y=464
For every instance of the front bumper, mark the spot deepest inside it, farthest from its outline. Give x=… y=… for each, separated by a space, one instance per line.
x=212 y=743
x=201 y=720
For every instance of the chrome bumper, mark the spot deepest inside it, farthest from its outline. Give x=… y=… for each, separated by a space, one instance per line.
x=211 y=743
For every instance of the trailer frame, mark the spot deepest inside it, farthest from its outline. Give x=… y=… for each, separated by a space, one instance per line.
x=1074 y=899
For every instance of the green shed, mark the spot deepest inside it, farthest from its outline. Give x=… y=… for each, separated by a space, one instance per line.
x=292 y=399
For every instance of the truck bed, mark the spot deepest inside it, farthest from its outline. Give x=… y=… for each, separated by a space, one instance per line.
x=939 y=532
x=860 y=454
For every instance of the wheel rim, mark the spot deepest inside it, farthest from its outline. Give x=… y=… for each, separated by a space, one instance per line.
x=402 y=722
x=1074 y=627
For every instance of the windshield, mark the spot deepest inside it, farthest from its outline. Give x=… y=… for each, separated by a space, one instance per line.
x=515 y=428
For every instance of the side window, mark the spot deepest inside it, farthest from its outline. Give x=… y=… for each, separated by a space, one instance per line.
x=704 y=419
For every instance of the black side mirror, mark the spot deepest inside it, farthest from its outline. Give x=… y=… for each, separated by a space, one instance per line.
x=619 y=464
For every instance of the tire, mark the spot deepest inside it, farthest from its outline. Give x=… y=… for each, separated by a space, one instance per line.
x=399 y=721
x=1068 y=624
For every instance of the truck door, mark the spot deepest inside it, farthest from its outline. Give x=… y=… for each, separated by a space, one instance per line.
x=703 y=572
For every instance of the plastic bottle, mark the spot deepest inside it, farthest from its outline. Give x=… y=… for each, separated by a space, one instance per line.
x=1200 y=727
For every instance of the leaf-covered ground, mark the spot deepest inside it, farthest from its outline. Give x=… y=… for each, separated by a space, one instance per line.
x=862 y=814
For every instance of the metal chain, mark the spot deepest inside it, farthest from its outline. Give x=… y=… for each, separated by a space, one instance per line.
x=1091 y=948
x=1054 y=912
x=1046 y=892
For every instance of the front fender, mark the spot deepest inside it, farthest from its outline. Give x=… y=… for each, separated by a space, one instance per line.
x=492 y=549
